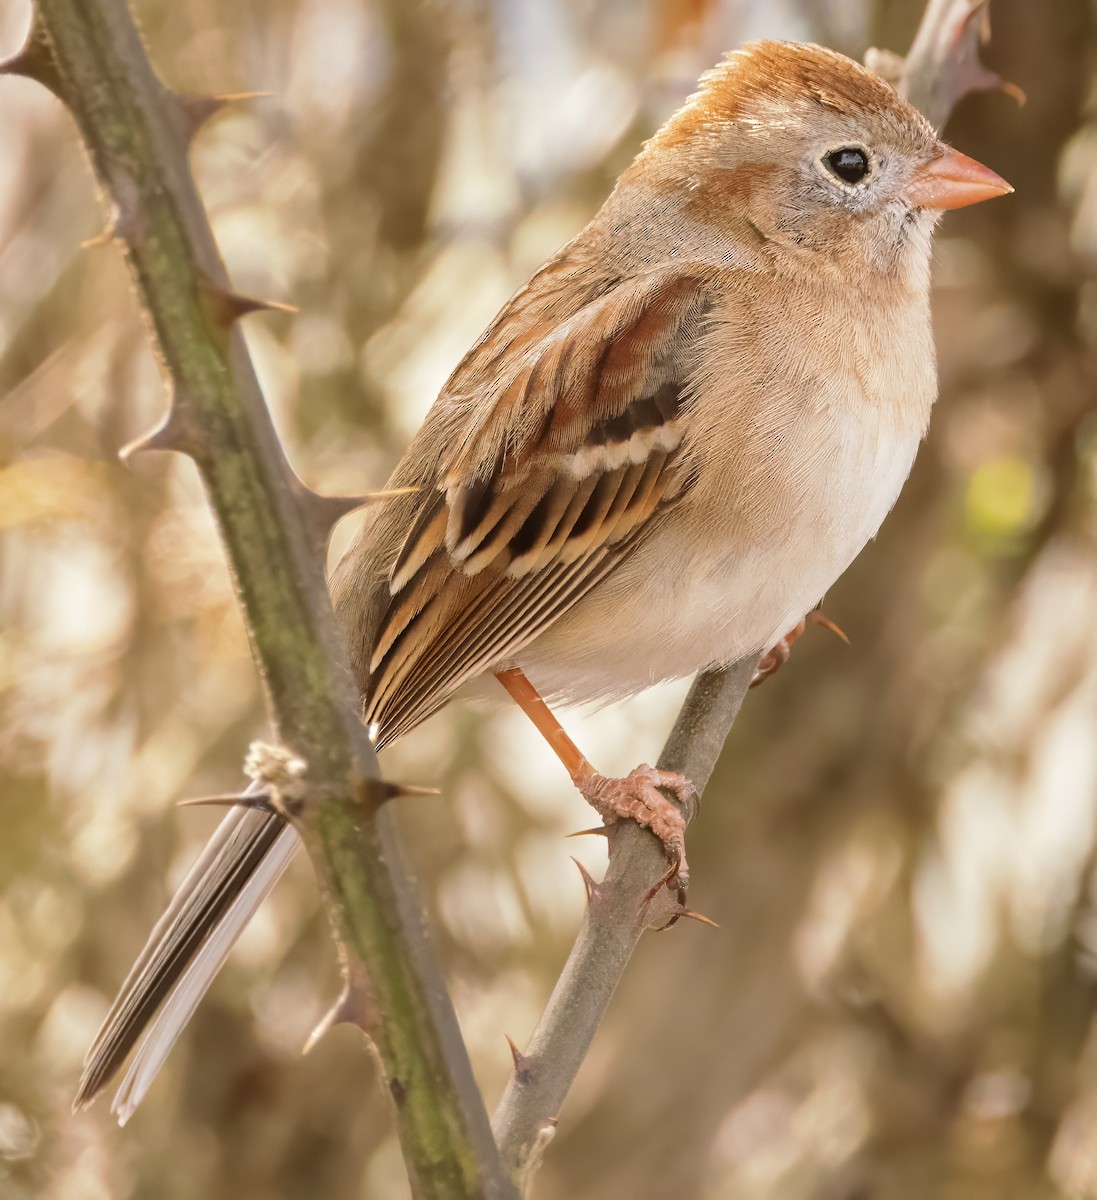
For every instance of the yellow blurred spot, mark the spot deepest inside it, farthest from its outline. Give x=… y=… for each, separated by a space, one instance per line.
x=1001 y=497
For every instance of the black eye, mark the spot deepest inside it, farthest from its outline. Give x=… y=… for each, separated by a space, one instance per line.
x=849 y=163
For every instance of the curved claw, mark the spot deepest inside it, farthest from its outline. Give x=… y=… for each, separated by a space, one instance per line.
x=779 y=653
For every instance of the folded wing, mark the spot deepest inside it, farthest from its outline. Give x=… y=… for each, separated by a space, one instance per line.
x=569 y=453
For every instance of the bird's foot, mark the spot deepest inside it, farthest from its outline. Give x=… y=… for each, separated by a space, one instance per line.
x=777 y=655
x=637 y=797
x=780 y=653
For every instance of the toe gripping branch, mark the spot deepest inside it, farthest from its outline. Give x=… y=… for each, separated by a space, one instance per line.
x=639 y=796
x=781 y=651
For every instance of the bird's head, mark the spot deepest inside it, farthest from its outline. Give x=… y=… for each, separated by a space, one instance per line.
x=810 y=151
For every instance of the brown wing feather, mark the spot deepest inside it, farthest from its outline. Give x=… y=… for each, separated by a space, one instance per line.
x=548 y=457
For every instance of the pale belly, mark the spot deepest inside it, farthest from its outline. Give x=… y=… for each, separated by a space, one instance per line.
x=775 y=543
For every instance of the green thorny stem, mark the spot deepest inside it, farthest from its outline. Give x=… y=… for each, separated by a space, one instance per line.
x=137 y=134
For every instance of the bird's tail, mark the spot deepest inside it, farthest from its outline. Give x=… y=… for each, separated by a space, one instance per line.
x=241 y=863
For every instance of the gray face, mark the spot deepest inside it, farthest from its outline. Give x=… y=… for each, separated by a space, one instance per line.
x=841 y=181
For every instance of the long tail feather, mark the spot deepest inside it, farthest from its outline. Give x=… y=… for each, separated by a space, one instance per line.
x=246 y=855
x=177 y=1010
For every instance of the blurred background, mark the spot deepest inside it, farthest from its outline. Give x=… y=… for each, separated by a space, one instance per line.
x=900 y=842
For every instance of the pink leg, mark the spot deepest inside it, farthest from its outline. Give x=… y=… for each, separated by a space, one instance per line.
x=635 y=797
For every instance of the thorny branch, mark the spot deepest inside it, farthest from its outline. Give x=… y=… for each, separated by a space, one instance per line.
x=137 y=134
x=616 y=917
x=943 y=65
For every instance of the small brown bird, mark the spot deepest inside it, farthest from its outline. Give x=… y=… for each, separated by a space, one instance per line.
x=658 y=457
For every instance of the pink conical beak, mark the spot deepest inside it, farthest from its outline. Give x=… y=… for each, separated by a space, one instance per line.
x=954 y=181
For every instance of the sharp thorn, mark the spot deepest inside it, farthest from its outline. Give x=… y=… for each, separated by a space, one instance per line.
x=243 y=306
x=325 y=1025
x=229 y=306
x=242 y=97
x=168 y=435
x=682 y=911
x=820 y=618
x=323 y=513
x=124 y=225
x=523 y=1064
x=1014 y=91
x=258 y=800
x=196 y=109
x=34 y=60
x=588 y=880
x=597 y=831
x=390 y=790
x=969 y=33
x=353 y=1007
x=373 y=794
x=980 y=78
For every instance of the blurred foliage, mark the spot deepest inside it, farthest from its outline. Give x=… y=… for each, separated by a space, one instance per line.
x=900 y=844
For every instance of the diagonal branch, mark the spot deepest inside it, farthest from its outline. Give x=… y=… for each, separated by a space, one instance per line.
x=616 y=917
x=137 y=134
x=943 y=65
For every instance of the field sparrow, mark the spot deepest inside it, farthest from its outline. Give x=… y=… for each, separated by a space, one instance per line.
x=657 y=458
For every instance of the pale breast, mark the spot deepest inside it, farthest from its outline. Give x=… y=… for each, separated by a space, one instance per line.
x=796 y=469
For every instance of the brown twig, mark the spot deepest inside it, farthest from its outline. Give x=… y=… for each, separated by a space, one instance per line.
x=616 y=917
